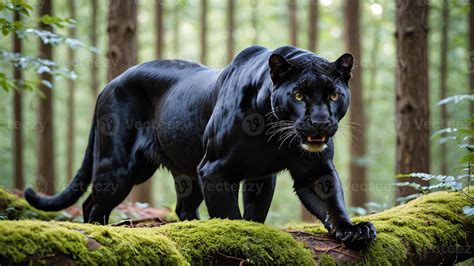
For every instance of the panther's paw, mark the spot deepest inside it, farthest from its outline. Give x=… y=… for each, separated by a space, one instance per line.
x=357 y=235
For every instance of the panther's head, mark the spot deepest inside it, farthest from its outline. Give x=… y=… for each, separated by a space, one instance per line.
x=310 y=95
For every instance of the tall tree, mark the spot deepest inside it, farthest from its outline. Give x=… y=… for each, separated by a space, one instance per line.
x=471 y=48
x=203 y=32
x=293 y=22
x=122 y=53
x=45 y=112
x=159 y=29
x=412 y=112
x=313 y=25
x=254 y=4
x=17 y=116
x=230 y=29
x=176 y=29
x=70 y=100
x=94 y=67
x=358 y=196
x=122 y=31
x=442 y=81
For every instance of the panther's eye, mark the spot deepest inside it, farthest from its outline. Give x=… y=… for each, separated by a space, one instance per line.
x=298 y=96
x=335 y=96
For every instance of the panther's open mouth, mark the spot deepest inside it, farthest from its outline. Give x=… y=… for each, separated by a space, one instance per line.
x=314 y=143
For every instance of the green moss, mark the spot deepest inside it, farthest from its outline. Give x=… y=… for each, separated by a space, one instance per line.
x=327 y=260
x=15 y=208
x=86 y=244
x=200 y=241
x=414 y=228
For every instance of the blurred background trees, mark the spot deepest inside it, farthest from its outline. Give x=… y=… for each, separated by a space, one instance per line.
x=408 y=56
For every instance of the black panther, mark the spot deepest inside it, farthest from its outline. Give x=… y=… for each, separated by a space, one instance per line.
x=265 y=112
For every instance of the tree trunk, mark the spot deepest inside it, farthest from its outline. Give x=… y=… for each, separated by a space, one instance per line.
x=313 y=25
x=94 y=67
x=70 y=100
x=442 y=82
x=412 y=106
x=159 y=29
x=293 y=22
x=17 y=116
x=254 y=4
x=230 y=29
x=203 y=32
x=357 y=176
x=45 y=172
x=375 y=49
x=122 y=31
x=176 y=30
x=471 y=56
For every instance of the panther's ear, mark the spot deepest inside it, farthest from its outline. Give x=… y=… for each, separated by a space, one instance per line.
x=344 y=65
x=279 y=67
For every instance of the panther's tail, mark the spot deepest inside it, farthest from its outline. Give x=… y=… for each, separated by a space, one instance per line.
x=75 y=189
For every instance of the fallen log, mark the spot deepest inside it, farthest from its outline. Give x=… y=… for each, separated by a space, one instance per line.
x=430 y=230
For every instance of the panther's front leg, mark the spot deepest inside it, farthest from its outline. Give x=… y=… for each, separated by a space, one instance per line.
x=328 y=192
x=220 y=194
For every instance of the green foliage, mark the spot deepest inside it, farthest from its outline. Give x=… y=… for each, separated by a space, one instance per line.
x=463 y=138
x=14 y=208
x=24 y=28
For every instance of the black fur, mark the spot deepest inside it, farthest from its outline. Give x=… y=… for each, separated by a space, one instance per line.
x=265 y=112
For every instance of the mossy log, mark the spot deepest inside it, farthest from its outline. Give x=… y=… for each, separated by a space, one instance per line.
x=428 y=230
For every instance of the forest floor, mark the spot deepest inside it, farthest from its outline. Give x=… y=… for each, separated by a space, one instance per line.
x=429 y=230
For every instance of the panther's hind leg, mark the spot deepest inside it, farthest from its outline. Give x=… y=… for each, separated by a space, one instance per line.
x=86 y=208
x=118 y=168
x=189 y=197
x=109 y=188
x=257 y=195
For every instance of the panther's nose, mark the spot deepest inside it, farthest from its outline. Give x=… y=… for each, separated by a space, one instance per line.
x=322 y=124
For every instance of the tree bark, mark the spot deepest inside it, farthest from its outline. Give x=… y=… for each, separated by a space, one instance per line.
x=45 y=172
x=70 y=100
x=412 y=106
x=293 y=21
x=230 y=29
x=159 y=29
x=17 y=116
x=122 y=31
x=471 y=57
x=358 y=195
x=203 y=55
x=94 y=66
x=313 y=25
x=442 y=82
